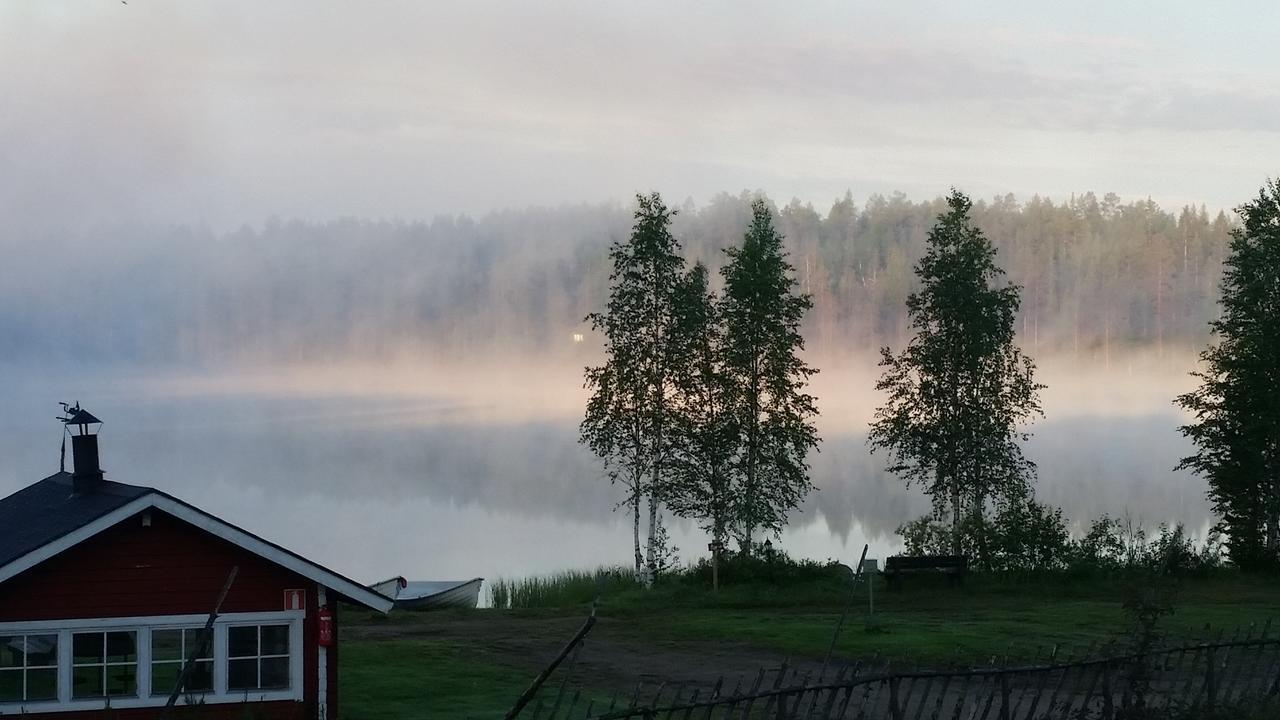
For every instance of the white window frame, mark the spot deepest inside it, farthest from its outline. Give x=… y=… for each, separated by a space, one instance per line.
x=26 y=662
x=64 y=629
x=183 y=631
x=258 y=657
x=105 y=665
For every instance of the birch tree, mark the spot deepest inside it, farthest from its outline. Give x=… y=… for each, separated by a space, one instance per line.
x=960 y=391
x=762 y=312
x=626 y=418
x=705 y=438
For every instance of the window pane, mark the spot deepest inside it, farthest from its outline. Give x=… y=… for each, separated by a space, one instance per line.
x=87 y=681
x=122 y=647
x=10 y=685
x=164 y=676
x=193 y=642
x=42 y=650
x=201 y=678
x=275 y=639
x=87 y=647
x=122 y=679
x=242 y=675
x=42 y=684
x=275 y=673
x=11 y=652
x=242 y=641
x=166 y=644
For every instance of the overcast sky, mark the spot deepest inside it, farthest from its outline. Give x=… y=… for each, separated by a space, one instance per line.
x=231 y=111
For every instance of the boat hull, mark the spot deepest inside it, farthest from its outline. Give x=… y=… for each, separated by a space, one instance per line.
x=465 y=594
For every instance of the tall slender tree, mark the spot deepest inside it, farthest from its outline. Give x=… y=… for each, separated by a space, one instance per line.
x=1237 y=406
x=704 y=434
x=960 y=390
x=626 y=418
x=762 y=312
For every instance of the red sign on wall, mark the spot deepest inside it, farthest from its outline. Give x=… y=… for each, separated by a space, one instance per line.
x=295 y=599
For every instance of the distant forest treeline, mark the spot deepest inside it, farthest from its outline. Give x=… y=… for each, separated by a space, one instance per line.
x=1098 y=275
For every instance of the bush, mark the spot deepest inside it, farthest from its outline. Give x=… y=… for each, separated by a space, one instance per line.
x=1025 y=535
x=1029 y=536
x=1115 y=545
x=764 y=566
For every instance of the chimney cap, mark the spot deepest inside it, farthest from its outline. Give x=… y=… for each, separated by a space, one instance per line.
x=78 y=416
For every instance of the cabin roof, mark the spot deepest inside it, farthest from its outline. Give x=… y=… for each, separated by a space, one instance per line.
x=45 y=511
x=47 y=517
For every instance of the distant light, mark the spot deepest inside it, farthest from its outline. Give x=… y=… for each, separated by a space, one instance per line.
x=577 y=337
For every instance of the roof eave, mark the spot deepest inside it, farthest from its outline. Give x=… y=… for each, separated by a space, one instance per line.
x=343 y=586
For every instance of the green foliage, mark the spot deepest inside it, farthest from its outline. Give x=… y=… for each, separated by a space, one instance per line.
x=627 y=416
x=705 y=436
x=762 y=313
x=960 y=390
x=1237 y=405
x=1023 y=536
x=770 y=568
x=666 y=556
x=1033 y=538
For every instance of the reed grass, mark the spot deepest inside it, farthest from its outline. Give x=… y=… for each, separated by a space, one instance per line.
x=562 y=589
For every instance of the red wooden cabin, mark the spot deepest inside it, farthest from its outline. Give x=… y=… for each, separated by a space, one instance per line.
x=105 y=590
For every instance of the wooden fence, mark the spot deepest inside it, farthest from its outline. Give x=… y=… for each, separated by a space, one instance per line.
x=1195 y=680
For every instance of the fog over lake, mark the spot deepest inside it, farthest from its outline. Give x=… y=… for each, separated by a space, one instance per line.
x=452 y=472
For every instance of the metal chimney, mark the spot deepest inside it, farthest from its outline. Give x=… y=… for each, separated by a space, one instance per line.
x=83 y=428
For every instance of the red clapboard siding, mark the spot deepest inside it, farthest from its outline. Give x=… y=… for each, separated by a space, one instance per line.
x=168 y=568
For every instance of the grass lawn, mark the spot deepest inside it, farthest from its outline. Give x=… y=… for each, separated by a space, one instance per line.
x=417 y=678
x=475 y=663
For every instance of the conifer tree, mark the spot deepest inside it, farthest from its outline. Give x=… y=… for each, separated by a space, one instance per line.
x=774 y=415
x=626 y=418
x=958 y=392
x=1237 y=406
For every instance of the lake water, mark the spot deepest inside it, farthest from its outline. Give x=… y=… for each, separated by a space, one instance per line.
x=454 y=473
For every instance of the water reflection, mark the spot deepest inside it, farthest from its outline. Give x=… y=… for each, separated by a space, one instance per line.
x=378 y=485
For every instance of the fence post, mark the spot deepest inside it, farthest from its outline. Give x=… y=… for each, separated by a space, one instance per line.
x=1210 y=684
x=895 y=710
x=1004 y=696
x=1108 y=702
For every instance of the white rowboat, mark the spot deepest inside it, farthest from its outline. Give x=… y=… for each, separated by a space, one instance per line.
x=430 y=594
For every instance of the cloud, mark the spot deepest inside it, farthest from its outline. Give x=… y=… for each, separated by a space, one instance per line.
x=232 y=111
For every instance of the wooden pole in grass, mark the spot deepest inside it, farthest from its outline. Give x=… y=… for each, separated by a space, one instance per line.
x=857 y=573
x=542 y=677
x=205 y=636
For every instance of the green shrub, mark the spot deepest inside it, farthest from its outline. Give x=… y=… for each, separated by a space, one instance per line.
x=1031 y=537
x=766 y=566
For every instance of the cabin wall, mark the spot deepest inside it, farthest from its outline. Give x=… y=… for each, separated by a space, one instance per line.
x=282 y=710
x=169 y=567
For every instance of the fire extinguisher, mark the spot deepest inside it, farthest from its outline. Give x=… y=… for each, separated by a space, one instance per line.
x=324 y=626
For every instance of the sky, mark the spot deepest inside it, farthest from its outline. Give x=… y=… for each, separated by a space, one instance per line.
x=232 y=111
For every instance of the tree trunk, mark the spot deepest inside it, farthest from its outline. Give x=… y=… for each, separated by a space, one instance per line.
x=651 y=560
x=635 y=529
x=748 y=518
x=1272 y=505
x=956 y=518
x=716 y=535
